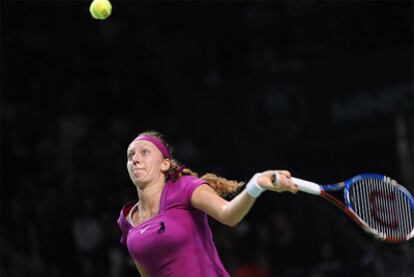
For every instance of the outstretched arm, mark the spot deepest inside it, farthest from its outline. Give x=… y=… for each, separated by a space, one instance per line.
x=232 y=212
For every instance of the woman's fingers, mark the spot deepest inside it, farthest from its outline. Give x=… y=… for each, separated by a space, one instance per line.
x=286 y=182
x=284 y=172
x=277 y=180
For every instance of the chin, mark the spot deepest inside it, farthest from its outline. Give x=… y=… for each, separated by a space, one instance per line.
x=137 y=182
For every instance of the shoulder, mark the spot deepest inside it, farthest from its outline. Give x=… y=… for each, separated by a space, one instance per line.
x=183 y=188
x=122 y=222
x=126 y=208
x=188 y=183
x=188 y=180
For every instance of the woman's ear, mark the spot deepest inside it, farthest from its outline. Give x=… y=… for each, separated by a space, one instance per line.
x=166 y=164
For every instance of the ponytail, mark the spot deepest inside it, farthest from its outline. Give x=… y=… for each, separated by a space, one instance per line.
x=221 y=185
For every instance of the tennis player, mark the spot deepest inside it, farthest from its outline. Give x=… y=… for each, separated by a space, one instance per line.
x=166 y=231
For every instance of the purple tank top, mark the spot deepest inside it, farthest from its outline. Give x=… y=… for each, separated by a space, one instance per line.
x=176 y=242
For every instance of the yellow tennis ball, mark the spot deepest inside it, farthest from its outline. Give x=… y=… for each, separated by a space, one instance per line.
x=100 y=9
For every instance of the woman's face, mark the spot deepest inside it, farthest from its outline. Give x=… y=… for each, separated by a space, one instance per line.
x=145 y=162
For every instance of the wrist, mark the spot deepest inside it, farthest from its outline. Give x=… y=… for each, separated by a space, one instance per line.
x=253 y=188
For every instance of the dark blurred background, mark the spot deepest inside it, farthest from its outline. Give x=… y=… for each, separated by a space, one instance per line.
x=321 y=88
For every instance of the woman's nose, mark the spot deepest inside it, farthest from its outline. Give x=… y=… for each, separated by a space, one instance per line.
x=136 y=160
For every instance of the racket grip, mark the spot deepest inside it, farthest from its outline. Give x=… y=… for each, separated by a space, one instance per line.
x=306 y=186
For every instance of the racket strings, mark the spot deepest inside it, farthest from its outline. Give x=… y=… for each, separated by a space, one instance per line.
x=383 y=207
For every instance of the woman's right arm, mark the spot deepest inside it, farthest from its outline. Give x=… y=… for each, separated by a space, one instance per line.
x=232 y=212
x=141 y=270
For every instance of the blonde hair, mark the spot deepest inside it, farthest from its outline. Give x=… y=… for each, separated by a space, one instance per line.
x=221 y=185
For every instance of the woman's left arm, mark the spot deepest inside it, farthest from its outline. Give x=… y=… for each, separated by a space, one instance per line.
x=232 y=212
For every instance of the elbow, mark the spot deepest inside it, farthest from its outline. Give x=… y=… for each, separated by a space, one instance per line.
x=231 y=223
x=228 y=218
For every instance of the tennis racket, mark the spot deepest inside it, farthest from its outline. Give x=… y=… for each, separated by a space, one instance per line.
x=382 y=207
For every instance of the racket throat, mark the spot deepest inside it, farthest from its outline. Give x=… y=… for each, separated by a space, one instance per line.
x=342 y=206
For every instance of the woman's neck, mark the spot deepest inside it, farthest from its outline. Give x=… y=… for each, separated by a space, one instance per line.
x=150 y=195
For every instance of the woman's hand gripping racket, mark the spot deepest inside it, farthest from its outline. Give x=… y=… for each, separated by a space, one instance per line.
x=378 y=204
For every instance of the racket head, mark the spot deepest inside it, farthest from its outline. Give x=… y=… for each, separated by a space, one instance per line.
x=384 y=208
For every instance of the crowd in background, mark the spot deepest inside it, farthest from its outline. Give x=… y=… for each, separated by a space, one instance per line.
x=70 y=107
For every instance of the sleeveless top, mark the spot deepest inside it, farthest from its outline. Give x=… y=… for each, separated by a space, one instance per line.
x=177 y=241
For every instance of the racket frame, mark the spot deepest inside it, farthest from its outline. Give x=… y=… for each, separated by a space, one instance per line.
x=346 y=206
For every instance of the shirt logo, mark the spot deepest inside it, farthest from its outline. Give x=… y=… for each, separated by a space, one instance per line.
x=143 y=230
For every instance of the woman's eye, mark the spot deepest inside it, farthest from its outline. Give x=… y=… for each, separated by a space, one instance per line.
x=145 y=152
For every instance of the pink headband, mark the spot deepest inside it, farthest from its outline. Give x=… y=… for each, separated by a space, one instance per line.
x=163 y=149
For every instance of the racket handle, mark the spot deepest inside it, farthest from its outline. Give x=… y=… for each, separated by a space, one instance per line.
x=306 y=186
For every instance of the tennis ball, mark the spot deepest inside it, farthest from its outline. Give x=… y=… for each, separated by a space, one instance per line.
x=100 y=9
